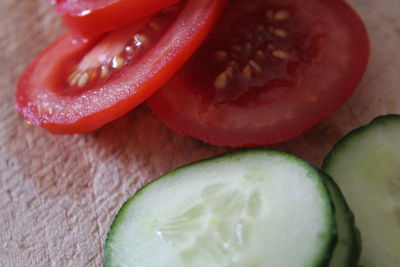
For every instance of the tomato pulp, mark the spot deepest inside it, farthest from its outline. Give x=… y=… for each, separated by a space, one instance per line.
x=269 y=70
x=75 y=87
x=88 y=18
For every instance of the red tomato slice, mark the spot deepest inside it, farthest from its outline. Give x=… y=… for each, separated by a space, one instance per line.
x=88 y=18
x=75 y=87
x=269 y=70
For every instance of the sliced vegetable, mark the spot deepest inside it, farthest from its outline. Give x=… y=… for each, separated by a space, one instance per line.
x=88 y=18
x=348 y=245
x=250 y=208
x=270 y=70
x=366 y=166
x=74 y=86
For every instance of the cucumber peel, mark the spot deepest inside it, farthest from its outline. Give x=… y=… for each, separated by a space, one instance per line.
x=348 y=247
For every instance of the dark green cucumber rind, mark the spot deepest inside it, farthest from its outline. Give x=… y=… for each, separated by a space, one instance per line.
x=325 y=249
x=353 y=134
x=354 y=247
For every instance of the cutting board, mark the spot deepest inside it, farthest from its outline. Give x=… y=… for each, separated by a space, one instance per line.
x=59 y=194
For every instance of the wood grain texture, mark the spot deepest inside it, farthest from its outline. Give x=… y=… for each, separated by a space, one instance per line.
x=59 y=194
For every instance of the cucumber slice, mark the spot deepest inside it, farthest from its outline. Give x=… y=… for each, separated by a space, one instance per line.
x=253 y=208
x=366 y=166
x=347 y=250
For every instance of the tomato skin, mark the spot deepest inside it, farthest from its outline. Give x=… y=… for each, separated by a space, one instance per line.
x=272 y=113
x=87 y=19
x=39 y=100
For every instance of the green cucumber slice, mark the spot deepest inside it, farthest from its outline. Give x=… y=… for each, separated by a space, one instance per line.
x=366 y=166
x=348 y=247
x=253 y=208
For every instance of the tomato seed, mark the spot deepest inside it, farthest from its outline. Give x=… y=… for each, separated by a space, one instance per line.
x=260 y=55
x=229 y=72
x=104 y=71
x=221 y=81
x=83 y=79
x=92 y=75
x=282 y=15
x=129 y=49
x=256 y=67
x=141 y=39
x=117 y=62
x=246 y=72
x=280 y=54
x=74 y=80
x=281 y=33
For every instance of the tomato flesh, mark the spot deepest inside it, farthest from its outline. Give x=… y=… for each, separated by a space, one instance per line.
x=75 y=87
x=88 y=18
x=269 y=70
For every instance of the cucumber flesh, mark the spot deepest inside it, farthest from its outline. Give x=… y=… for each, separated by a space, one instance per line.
x=253 y=208
x=366 y=166
x=347 y=250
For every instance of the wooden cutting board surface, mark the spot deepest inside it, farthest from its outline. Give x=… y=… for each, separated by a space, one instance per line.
x=59 y=194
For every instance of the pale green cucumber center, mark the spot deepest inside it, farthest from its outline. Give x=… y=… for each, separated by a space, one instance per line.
x=255 y=214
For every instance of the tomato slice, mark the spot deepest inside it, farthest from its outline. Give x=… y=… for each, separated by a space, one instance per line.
x=88 y=18
x=75 y=87
x=269 y=70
